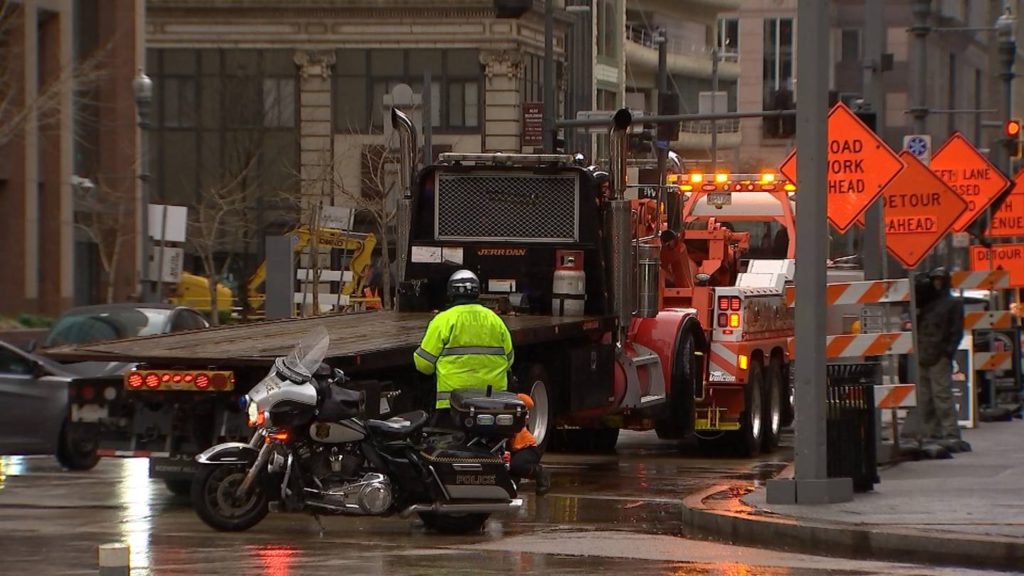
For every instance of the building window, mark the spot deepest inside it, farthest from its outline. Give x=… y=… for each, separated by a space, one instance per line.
x=778 y=75
x=728 y=42
x=363 y=77
x=850 y=45
x=533 y=78
x=179 y=102
x=279 y=102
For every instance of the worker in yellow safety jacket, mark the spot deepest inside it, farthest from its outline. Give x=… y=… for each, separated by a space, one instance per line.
x=466 y=346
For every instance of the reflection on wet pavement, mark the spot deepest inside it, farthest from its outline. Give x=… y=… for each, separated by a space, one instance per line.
x=53 y=520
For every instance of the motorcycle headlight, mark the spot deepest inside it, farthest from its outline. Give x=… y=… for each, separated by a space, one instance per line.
x=254 y=415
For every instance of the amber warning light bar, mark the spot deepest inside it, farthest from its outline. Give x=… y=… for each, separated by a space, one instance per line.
x=180 y=380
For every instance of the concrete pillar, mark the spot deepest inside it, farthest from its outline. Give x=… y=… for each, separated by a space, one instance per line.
x=502 y=100
x=30 y=175
x=316 y=150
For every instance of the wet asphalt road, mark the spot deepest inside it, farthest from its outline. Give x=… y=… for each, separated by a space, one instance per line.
x=606 y=514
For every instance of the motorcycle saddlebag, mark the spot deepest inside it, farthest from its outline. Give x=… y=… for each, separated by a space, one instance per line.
x=468 y=473
x=499 y=414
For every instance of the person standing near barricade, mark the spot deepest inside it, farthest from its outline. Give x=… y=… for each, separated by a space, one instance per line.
x=940 y=325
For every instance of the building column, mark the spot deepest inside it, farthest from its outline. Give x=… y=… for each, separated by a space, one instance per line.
x=502 y=100
x=29 y=185
x=316 y=148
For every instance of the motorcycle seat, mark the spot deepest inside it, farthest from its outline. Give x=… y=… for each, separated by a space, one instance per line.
x=400 y=426
x=339 y=404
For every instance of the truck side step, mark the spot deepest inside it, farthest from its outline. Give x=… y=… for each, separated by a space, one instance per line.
x=633 y=397
x=647 y=401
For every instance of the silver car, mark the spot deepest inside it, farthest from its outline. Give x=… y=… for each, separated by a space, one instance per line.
x=34 y=390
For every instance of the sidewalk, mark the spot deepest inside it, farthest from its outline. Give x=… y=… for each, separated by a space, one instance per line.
x=968 y=511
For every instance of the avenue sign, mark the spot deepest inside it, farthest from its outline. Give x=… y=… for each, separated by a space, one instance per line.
x=970 y=175
x=918 y=210
x=860 y=165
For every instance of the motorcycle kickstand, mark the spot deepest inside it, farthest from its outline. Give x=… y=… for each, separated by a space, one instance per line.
x=323 y=530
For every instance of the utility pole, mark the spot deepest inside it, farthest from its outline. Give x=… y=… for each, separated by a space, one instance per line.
x=1006 y=44
x=811 y=484
x=921 y=10
x=873 y=52
x=714 y=108
x=662 y=146
x=549 y=76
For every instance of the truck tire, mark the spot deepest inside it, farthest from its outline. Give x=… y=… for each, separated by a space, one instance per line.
x=773 y=402
x=542 y=418
x=678 y=422
x=213 y=498
x=749 y=437
x=75 y=453
x=788 y=398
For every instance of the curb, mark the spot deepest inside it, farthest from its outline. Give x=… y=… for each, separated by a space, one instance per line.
x=762 y=529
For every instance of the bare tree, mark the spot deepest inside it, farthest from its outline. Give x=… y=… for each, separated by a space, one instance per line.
x=44 y=106
x=107 y=215
x=375 y=197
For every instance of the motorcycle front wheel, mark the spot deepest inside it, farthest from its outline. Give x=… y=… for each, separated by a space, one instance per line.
x=454 y=524
x=216 y=503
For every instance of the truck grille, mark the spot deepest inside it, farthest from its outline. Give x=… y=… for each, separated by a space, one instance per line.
x=521 y=207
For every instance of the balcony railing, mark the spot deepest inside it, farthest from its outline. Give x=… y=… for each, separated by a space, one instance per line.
x=648 y=39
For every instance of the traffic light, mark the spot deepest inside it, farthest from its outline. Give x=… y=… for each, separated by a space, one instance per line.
x=1012 y=132
x=512 y=8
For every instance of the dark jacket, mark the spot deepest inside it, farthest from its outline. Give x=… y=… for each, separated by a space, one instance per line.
x=940 y=326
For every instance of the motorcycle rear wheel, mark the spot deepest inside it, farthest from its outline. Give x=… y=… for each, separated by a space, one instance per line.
x=213 y=499
x=454 y=524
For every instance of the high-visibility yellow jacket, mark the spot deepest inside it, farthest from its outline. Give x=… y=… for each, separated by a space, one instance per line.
x=468 y=346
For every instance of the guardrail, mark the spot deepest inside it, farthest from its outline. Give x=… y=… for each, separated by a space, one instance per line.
x=649 y=39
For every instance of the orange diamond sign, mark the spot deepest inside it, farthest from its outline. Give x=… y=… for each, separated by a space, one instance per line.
x=918 y=211
x=1008 y=220
x=970 y=175
x=860 y=165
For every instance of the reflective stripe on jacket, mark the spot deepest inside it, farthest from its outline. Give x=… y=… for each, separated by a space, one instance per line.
x=468 y=346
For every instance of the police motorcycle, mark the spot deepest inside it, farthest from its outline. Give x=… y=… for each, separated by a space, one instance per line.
x=313 y=451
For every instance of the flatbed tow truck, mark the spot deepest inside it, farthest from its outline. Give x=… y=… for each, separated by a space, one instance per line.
x=602 y=343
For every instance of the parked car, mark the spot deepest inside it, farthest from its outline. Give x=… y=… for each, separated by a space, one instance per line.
x=34 y=389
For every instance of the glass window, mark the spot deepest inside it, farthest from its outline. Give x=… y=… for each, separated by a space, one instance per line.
x=95 y=326
x=187 y=320
x=850 y=45
x=778 y=75
x=179 y=62
x=387 y=63
x=463 y=63
x=421 y=61
x=728 y=36
x=241 y=62
x=179 y=183
x=350 y=104
x=279 y=63
x=278 y=102
x=13 y=363
x=179 y=102
x=209 y=101
x=209 y=62
x=350 y=63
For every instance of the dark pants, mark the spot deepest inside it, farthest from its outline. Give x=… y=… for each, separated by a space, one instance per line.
x=524 y=463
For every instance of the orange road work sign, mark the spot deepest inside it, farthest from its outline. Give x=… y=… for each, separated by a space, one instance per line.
x=1001 y=257
x=970 y=175
x=1008 y=220
x=860 y=165
x=918 y=210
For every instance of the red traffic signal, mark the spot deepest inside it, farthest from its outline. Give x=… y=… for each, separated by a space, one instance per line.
x=1012 y=129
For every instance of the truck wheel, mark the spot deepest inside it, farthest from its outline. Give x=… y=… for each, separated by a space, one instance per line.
x=678 y=421
x=76 y=453
x=214 y=500
x=542 y=417
x=750 y=435
x=454 y=524
x=788 y=398
x=773 y=401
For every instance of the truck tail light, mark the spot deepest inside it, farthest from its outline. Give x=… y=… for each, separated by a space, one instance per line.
x=723 y=319
x=723 y=302
x=734 y=320
x=180 y=380
x=735 y=303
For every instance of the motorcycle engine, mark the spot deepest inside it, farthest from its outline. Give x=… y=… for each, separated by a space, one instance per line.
x=337 y=464
x=370 y=495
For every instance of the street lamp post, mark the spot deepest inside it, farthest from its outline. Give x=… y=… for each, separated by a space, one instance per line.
x=1006 y=45
x=142 y=87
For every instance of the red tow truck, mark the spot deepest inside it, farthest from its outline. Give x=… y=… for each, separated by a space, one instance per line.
x=601 y=343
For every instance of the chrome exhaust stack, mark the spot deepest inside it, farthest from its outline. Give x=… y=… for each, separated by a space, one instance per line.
x=407 y=145
x=619 y=222
x=470 y=508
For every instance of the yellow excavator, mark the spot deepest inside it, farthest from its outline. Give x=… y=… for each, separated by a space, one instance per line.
x=193 y=290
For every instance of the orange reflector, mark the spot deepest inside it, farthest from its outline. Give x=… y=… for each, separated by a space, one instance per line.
x=181 y=380
x=734 y=320
x=743 y=361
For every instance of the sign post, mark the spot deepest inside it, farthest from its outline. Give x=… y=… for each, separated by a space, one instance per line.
x=860 y=166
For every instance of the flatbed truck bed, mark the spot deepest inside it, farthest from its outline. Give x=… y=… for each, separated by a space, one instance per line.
x=359 y=341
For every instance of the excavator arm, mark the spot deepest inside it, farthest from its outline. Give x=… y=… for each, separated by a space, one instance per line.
x=360 y=245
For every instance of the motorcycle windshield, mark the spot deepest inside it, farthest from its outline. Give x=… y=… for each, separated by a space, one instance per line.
x=307 y=355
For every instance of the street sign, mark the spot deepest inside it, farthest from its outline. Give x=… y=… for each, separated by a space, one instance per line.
x=920 y=145
x=176 y=218
x=860 y=165
x=337 y=217
x=918 y=210
x=970 y=175
x=1008 y=220
x=533 y=124
x=172 y=262
x=1003 y=257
